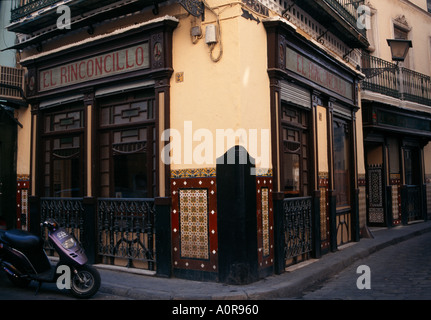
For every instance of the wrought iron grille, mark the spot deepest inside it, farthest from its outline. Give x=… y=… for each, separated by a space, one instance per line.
x=413 y=205
x=68 y=212
x=417 y=86
x=381 y=76
x=21 y=8
x=348 y=10
x=298 y=227
x=126 y=232
x=386 y=78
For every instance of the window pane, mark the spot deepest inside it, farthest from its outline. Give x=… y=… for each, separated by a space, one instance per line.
x=66 y=178
x=341 y=164
x=130 y=176
x=291 y=173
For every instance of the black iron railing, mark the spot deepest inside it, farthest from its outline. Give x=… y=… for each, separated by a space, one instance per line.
x=298 y=228
x=126 y=231
x=416 y=86
x=125 y=228
x=381 y=76
x=22 y=8
x=348 y=10
x=68 y=212
x=387 y=78
x=413 y=203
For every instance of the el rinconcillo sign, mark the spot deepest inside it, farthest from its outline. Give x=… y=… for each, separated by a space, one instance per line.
x=104 y=65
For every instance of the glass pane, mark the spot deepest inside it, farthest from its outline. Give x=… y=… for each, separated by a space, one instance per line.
x=291 y=173
x=130 y=176
x=66 y=178
x=341 y=164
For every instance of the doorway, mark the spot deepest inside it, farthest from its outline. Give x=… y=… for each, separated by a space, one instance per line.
x=343 y=180
x=375 y=184
x=412 y=209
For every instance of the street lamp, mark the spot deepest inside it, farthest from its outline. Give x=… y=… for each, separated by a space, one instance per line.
x=399 y=48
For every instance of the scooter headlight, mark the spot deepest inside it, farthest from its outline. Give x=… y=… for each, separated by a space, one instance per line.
x=69 y=243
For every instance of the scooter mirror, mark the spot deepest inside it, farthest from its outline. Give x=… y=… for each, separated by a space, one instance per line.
x=51 y=224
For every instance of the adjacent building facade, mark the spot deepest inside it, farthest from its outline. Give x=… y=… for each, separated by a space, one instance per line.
x=395 y=108
x=213 y=140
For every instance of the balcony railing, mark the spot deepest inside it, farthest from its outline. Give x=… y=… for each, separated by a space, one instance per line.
x=38 y=18
x=11 y=83
x=22 y=8
x=387 y=78
x=417 y=86
x=348 y=10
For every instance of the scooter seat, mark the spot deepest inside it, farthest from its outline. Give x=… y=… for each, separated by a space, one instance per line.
x=22 y=239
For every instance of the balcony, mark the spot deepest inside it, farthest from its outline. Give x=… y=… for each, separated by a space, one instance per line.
x=11 y=86
x=339 y=17
x=388 y=79
x=38 y=18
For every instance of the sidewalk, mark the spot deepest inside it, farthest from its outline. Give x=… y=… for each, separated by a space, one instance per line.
x=288 y=284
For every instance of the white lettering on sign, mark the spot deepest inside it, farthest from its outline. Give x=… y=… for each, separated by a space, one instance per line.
x=108 y=64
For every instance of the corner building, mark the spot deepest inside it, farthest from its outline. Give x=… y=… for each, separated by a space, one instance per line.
x=260 y=167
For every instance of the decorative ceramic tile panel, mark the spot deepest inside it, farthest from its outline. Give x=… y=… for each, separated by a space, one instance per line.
x=194 y=220
x=324 y=217
x=396 y=205
x=23 y=185
x=362 y=205
x=193 y=173
x=265 y=221
x=194 y=223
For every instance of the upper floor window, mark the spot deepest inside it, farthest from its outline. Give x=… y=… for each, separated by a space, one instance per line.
x=401 y=31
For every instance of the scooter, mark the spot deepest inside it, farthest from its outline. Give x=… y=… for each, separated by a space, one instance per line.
x=23 y=259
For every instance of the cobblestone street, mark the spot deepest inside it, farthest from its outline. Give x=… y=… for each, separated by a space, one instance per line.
x=398 y=272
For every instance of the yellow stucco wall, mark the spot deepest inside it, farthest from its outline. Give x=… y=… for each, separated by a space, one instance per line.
x=232 y=93
x=200 y=99
x=23 y=115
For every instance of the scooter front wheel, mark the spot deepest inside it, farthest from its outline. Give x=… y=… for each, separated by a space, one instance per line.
x=85 y=282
